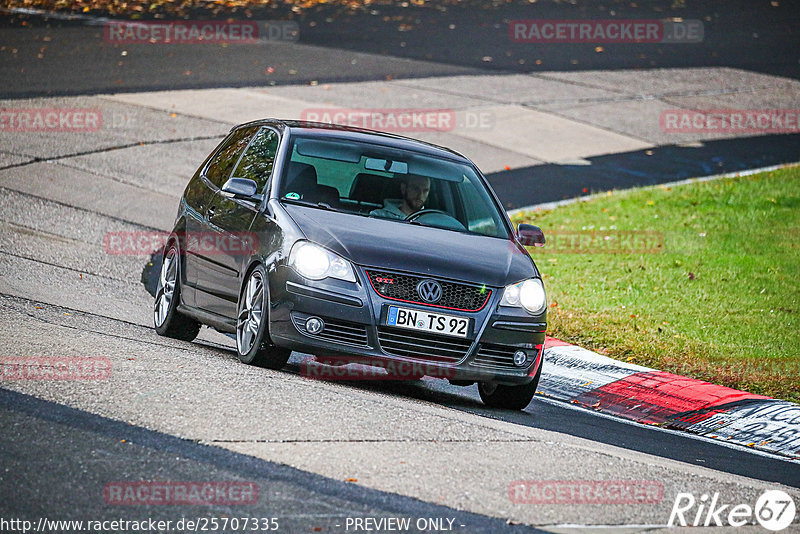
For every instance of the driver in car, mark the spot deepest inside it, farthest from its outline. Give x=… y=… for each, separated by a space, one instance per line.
x=415 y=190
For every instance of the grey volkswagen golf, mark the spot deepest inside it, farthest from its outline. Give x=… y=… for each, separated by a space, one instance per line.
x=356 y=245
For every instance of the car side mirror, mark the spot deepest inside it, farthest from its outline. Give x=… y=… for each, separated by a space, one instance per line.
x=241 y=188
x=530 y=235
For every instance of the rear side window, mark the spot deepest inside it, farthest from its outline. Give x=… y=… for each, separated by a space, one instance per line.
x=221 y=165
x=257 y=161
x=482 y=218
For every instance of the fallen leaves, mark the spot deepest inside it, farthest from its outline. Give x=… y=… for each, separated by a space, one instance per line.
x=161 y=9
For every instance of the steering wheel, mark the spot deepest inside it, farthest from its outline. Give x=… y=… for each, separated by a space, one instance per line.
x=438 y=218
x=417 y=214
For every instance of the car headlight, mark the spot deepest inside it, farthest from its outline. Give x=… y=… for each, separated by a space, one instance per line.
x=528 y=294
x=315 y=263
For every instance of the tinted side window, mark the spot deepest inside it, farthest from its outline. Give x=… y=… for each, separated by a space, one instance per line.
x=258 y=159
x=220 y=167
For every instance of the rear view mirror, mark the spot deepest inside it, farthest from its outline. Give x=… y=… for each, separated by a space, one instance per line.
x=386 y=165
x=530 y=235
x=241 y=188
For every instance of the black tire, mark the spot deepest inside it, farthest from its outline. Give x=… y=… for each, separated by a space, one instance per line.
x=252 y=318
x=509 y=397
x=167 y=320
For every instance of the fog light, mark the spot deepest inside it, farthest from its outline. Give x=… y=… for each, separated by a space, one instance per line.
x=520 y=358
x=314 y=325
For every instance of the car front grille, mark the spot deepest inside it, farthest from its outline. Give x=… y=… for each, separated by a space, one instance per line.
x=335 y=330
x=422 y=346
x=462 y=297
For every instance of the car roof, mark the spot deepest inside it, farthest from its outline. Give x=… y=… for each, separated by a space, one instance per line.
x=319 y=129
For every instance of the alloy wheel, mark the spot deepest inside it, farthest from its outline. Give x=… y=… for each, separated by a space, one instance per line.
x=166 y=287
x=249 y=318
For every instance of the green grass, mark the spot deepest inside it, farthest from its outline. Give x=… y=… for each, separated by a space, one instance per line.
x=719 y=301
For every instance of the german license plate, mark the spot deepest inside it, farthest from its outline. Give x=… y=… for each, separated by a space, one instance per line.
x=437 y=323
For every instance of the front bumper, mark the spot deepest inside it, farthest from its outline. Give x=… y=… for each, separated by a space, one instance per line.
x=355 y=329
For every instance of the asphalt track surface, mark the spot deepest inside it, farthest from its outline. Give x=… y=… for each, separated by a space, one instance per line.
x=61 y=445
x=301 y=501
x=47 y=57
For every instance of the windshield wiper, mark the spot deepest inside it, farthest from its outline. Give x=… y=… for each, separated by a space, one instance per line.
x=323 y=205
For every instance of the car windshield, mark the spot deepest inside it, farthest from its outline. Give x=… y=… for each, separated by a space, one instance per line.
x=383 y=182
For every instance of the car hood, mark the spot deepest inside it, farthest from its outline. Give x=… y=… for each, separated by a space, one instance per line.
x=391 y=245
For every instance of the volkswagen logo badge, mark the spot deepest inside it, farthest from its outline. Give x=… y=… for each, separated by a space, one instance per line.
x=429 y=291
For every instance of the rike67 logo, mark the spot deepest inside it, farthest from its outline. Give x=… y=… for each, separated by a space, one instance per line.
x=774 y=510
